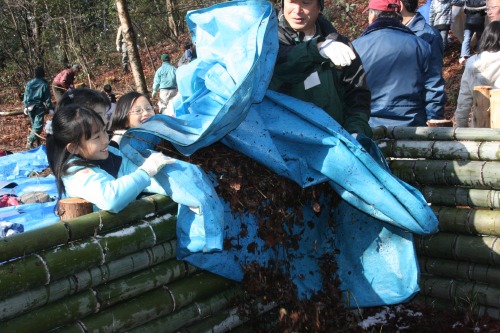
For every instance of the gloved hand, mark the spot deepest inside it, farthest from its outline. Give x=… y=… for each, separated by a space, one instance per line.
x=51 y=112
x=25 y=111
x=118 y=48
x=153 y=94
x=155 y=162
x=339 y=53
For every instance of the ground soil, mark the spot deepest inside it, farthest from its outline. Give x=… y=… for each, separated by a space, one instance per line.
x=321 y=313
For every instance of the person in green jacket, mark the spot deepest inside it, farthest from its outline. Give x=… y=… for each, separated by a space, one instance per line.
x=316 y=64
x=165 y=81
x=36 y=102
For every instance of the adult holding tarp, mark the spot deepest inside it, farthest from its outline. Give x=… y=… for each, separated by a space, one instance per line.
x=397 y=65
x=316 y=64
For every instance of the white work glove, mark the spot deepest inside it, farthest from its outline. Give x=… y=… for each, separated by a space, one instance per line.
x=153 y=94
x=339 y=53
x=25 y=111
x=118 y=48
x=51 y=112
x=155 y=162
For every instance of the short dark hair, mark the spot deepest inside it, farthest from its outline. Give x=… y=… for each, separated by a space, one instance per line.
x=39 y=72
x=386 y=14
x=84 y=96
x=188 y=45
x=119 y=119
x=490 y=40
x=410 y=5
x=107 y=88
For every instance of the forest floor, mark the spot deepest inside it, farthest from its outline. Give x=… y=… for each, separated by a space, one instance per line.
x=410 y=317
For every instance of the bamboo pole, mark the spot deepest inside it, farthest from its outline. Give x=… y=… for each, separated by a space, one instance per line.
x=468 y=221
x=495 y=108
x=446 y=305
x=442 y=150
x=481 y=106
x=461 y=196
x=468 y=292
x=460 y=270
x=481 y=250
x=82 y=227
x=34 y=298
x=435 y=172
x=23 y=274
x=443 y=133
x=53 y=315
x=190 y=314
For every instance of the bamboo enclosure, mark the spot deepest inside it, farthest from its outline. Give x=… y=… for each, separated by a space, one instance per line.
x=458 y=172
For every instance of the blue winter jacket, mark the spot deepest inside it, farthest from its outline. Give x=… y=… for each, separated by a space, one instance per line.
x=397 y=65
x=436 y=96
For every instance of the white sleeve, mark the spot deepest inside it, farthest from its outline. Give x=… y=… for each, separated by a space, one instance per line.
x=464 y=101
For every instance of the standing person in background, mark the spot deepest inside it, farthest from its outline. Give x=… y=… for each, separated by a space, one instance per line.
x=121 y=46
x=188 y=55
x=436 y=96
x=165 y=81
x=482 y=69
x=36 y=101
x=397 y=65
x=493 y=10
x=64 y=81
x=318 y=65
x=440 y=18
x=112 y=98
x=132 y=109
x=475 y=12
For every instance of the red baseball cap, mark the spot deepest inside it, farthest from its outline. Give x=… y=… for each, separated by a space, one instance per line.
x=384 y=5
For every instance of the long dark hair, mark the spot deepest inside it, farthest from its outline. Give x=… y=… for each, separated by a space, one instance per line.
x=70 y=125
x=119 y=119
x=490 y=40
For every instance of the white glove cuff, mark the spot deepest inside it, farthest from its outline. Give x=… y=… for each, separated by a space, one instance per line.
x=323 y=47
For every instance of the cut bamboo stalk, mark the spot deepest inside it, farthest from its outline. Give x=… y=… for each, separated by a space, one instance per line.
x=23 y=274
x=446 y=305
x=141 y=282
x=440 y=123
x=70 y=208
x=468 y=221
x=454 y=290
x=477 y=249
x=53 y=315
x=190 y=314
x=442 y=150
x=127 y=240
x=476 y=174
x=461 y=196
x=443 y=133
x=82 y=227
x=495 y=108
x=481 y=106
x=460 y=270
x=34 y=298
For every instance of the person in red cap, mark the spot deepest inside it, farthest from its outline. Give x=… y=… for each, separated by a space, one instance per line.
x=397 y=65
x=316 y=64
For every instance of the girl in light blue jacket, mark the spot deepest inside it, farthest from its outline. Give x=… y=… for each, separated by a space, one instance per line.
x=86 y=167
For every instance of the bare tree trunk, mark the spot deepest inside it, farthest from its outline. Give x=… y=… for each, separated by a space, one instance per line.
x=133 y=52
x=171 y=12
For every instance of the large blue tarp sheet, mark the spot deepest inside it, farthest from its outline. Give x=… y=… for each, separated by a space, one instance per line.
x=223 y=97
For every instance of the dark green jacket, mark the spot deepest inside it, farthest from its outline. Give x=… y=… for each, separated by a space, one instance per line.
x=37 y=92
x=342 y=93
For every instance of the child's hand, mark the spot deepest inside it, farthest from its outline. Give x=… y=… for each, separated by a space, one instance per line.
x=155 y=162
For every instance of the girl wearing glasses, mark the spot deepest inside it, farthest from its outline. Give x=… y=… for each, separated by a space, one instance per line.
x=132 y=109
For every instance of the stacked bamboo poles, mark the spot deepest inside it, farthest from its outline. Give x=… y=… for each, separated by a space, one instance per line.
x=109 y=272
x=456 y=169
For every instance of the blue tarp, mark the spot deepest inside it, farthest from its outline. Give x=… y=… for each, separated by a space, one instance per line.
x=224 y=97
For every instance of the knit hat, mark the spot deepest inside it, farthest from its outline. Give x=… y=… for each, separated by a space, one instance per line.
x=165 y=57
x=384 y=5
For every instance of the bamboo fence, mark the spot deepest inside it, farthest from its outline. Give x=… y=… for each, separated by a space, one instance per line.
x=105 y=272
x=458 y=172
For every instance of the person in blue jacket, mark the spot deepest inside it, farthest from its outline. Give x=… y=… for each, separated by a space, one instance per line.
x=86 y=167
x=436 y=96
x=397 y=66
